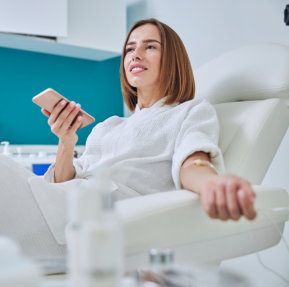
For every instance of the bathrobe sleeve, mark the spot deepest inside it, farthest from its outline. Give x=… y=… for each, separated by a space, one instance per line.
x=80 y=167
x=199 y=132
x=82 y=164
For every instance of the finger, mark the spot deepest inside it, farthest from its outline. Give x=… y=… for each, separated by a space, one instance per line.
x=221 y=201
x=77 y=124
x=45 y=112
x=64 y=114
x=56 y=112
x=248 y=188
x=63 y=123
x=209 y=202
x=232 y=201
x=71 y=117
x=246 y=203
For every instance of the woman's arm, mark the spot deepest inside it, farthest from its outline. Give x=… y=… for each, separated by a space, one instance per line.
x=64 y=122
x=64 y=169
x=223 y=196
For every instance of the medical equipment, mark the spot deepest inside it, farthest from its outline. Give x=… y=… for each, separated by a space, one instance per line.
x=164 y=272
x=37 y=162
x=36 y=158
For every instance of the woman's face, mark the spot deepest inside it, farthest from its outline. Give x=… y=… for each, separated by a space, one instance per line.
x=143 y=57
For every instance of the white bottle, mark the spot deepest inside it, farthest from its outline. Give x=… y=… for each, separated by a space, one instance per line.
x=6 y=150
x=15 y=269
x=95 y=239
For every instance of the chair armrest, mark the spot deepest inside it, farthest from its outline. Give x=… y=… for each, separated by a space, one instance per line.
x=175 y=218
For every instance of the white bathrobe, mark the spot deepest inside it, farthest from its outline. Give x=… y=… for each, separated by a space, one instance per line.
x=145 y=151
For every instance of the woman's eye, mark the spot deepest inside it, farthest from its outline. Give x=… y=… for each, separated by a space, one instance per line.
x=150 y=47
x=128 y=50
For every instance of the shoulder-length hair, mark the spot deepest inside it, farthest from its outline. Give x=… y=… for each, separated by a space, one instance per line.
x=176 y=74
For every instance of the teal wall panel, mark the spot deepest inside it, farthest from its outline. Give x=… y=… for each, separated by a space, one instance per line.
x=95 y=85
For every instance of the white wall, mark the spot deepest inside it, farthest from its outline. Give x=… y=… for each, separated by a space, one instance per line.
x=209 y=28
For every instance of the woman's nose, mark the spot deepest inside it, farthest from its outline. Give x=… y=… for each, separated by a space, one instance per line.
x=137 y=54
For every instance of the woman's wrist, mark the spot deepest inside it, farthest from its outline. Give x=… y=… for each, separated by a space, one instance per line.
x=66 y=144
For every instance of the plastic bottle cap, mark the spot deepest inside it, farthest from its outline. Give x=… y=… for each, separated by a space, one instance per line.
x=84 y=204
x=90 y=198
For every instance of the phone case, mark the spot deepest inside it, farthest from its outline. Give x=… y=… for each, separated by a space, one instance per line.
x=49 y=98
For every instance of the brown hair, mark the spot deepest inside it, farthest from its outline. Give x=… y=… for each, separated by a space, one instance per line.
x=176 y=74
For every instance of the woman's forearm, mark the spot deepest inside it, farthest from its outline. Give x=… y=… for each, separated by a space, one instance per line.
x=222 y=196
x=64 y=169
x=193 y=177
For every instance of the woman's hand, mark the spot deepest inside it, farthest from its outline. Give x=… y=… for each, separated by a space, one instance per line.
x=64 y=121
x=228 y=197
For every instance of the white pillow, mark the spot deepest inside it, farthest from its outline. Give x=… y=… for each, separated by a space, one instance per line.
x=252 y=72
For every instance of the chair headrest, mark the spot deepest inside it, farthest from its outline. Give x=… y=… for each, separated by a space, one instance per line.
x=253 y=72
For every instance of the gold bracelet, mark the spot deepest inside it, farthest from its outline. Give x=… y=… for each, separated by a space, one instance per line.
x=201 y=162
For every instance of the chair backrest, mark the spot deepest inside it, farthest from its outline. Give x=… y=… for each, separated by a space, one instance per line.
x=249 y=87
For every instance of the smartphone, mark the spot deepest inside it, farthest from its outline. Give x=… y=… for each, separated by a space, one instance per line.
x=49 y=98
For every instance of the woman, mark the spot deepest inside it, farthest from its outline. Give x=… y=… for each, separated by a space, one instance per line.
x=168 y=143
x=156 y=74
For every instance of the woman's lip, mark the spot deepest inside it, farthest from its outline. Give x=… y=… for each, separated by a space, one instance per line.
x=137 y=70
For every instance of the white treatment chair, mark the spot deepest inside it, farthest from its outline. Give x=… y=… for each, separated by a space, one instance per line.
x=249 y=87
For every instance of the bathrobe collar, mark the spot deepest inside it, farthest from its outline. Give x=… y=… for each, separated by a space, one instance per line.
x=157 y=104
